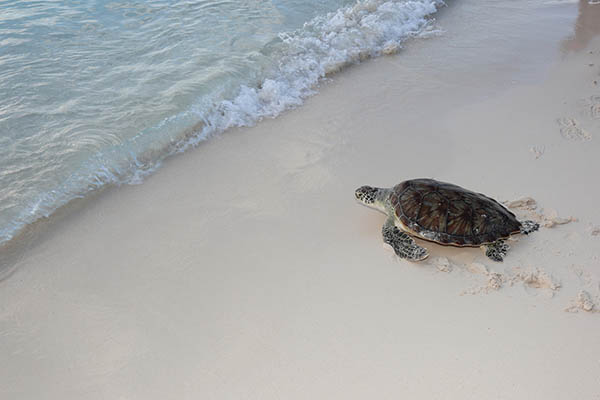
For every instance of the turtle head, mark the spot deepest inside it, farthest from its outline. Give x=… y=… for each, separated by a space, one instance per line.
x=370 y=196
x=366 y=195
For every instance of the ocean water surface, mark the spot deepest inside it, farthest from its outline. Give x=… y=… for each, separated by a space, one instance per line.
x=100 y=92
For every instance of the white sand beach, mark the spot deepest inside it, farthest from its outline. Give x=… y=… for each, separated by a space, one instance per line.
x=245 y=268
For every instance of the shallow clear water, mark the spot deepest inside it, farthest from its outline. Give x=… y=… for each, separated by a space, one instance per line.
x=100 y=92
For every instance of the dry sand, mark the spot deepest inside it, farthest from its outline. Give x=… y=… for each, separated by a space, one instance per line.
x=245 y=268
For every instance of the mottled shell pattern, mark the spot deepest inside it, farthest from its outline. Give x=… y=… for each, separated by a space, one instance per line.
x=449 y=214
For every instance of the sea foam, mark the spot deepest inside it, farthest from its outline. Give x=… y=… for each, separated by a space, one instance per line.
x=323 y=46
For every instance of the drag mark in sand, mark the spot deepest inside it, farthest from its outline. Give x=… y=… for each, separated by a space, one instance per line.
x=536 y=279
x=585 y=278
x=495 y=281
x=570 y=129
x=591 y=107
x=527 y=208
x=537 y=151
x=442 y=264
x=583 y=302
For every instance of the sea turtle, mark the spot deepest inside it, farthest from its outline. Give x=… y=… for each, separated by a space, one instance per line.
x=443 y=213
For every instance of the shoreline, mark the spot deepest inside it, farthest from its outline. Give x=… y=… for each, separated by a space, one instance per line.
x=244 y=268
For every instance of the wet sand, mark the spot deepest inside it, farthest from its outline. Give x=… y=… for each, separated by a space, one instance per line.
x=245 y=268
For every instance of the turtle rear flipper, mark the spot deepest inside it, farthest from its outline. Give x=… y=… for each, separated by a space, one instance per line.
x=404 y=246
x=529 y=226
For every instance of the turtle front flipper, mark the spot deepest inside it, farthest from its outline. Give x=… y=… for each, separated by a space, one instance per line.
x=497 y=250
x=404 y=246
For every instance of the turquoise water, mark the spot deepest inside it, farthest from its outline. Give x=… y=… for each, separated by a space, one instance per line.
x=100 y=92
